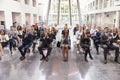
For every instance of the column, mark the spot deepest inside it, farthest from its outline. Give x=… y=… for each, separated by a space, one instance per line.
x=79 y=13
x=103 y=1
x=32 y=19
x=87 y=19
x=30 y=2
x=98 y=4
x=58 y=12
x=94 y=19
x=90 y=20
x=117 y=19
x=70 y=12
x=23 y=18
x=103 y=20
x=8 y=19
x=48 y=11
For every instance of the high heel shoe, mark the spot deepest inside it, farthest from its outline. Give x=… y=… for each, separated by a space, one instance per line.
x=86 y=60
x=91 y=57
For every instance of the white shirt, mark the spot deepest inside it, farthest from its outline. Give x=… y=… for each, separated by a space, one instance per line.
x=78 y=34
x=93 y=32
x=4 y=38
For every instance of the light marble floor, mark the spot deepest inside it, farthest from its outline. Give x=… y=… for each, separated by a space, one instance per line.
x=11 y=68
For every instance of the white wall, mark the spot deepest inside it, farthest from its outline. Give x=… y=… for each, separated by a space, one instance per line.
x=9 y=6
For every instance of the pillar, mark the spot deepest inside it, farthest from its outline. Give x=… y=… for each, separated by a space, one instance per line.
x=79 y=13
x=94 y=21
x=32 y=19
x=103 y=1
x=90 y=19
x=8 y=19
x=103 y=20
x=117 y=19
x=48 y=11
x=98 y=4
x=58 y=12
x=70 y=12
x=23 y=18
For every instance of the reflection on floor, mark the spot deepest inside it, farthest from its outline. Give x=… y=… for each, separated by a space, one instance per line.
x=11 y=68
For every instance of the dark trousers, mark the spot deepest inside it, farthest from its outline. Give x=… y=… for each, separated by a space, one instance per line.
x=40 y=48
x=23 y=49
x=12 y=44
x=87 y=50
x=112 y=47
x=97 y=43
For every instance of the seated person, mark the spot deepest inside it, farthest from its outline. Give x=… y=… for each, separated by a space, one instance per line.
x=0 y=51
x=19 y=31
x=13 y=38
x=27 y=40
x=85 y=44
x=78 y=36
x=34 y=39
x=97 y=39
x=3 y=41
x=115 y=35
x=107 y=44
x=45 y=39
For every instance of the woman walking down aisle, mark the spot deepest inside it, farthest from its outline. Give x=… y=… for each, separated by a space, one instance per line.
x=65 y=43
x=85 y=44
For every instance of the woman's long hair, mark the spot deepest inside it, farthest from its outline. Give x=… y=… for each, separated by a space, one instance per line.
x=66 y=32
x=84 y=35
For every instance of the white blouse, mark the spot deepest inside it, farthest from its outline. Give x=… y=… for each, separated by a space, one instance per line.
x=4 y=38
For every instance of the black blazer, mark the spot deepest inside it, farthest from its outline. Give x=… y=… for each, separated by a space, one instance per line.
x=63 y=32
x=28 y=39
x=45 y=41
x=104 y=40
x=85 y=41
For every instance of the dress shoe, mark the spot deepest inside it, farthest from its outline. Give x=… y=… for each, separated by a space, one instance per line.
x=117 y=61
x=0 y=58
x=46 y=59
x=42 y=58
x=105 y=61
x=86 y=60
x=22 y=58
x=97 y=53
x=91 y=57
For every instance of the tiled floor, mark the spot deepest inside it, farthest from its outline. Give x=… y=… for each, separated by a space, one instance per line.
x=11 y=68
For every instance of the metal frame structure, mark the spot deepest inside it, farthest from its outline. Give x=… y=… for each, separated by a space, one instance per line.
x=70 y=15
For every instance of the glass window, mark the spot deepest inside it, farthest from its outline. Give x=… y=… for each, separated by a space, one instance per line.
x=27 y=2
x=17 y=0
x=34 y=3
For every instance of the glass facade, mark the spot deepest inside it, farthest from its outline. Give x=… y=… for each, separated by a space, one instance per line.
x=64 y=12
x=101 y=4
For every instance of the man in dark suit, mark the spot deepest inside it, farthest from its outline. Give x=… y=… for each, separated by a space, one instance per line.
x=46 y=40
x=27 y=40
x=107 y=44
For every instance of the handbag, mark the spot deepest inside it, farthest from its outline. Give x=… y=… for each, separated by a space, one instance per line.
x=58 y=44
